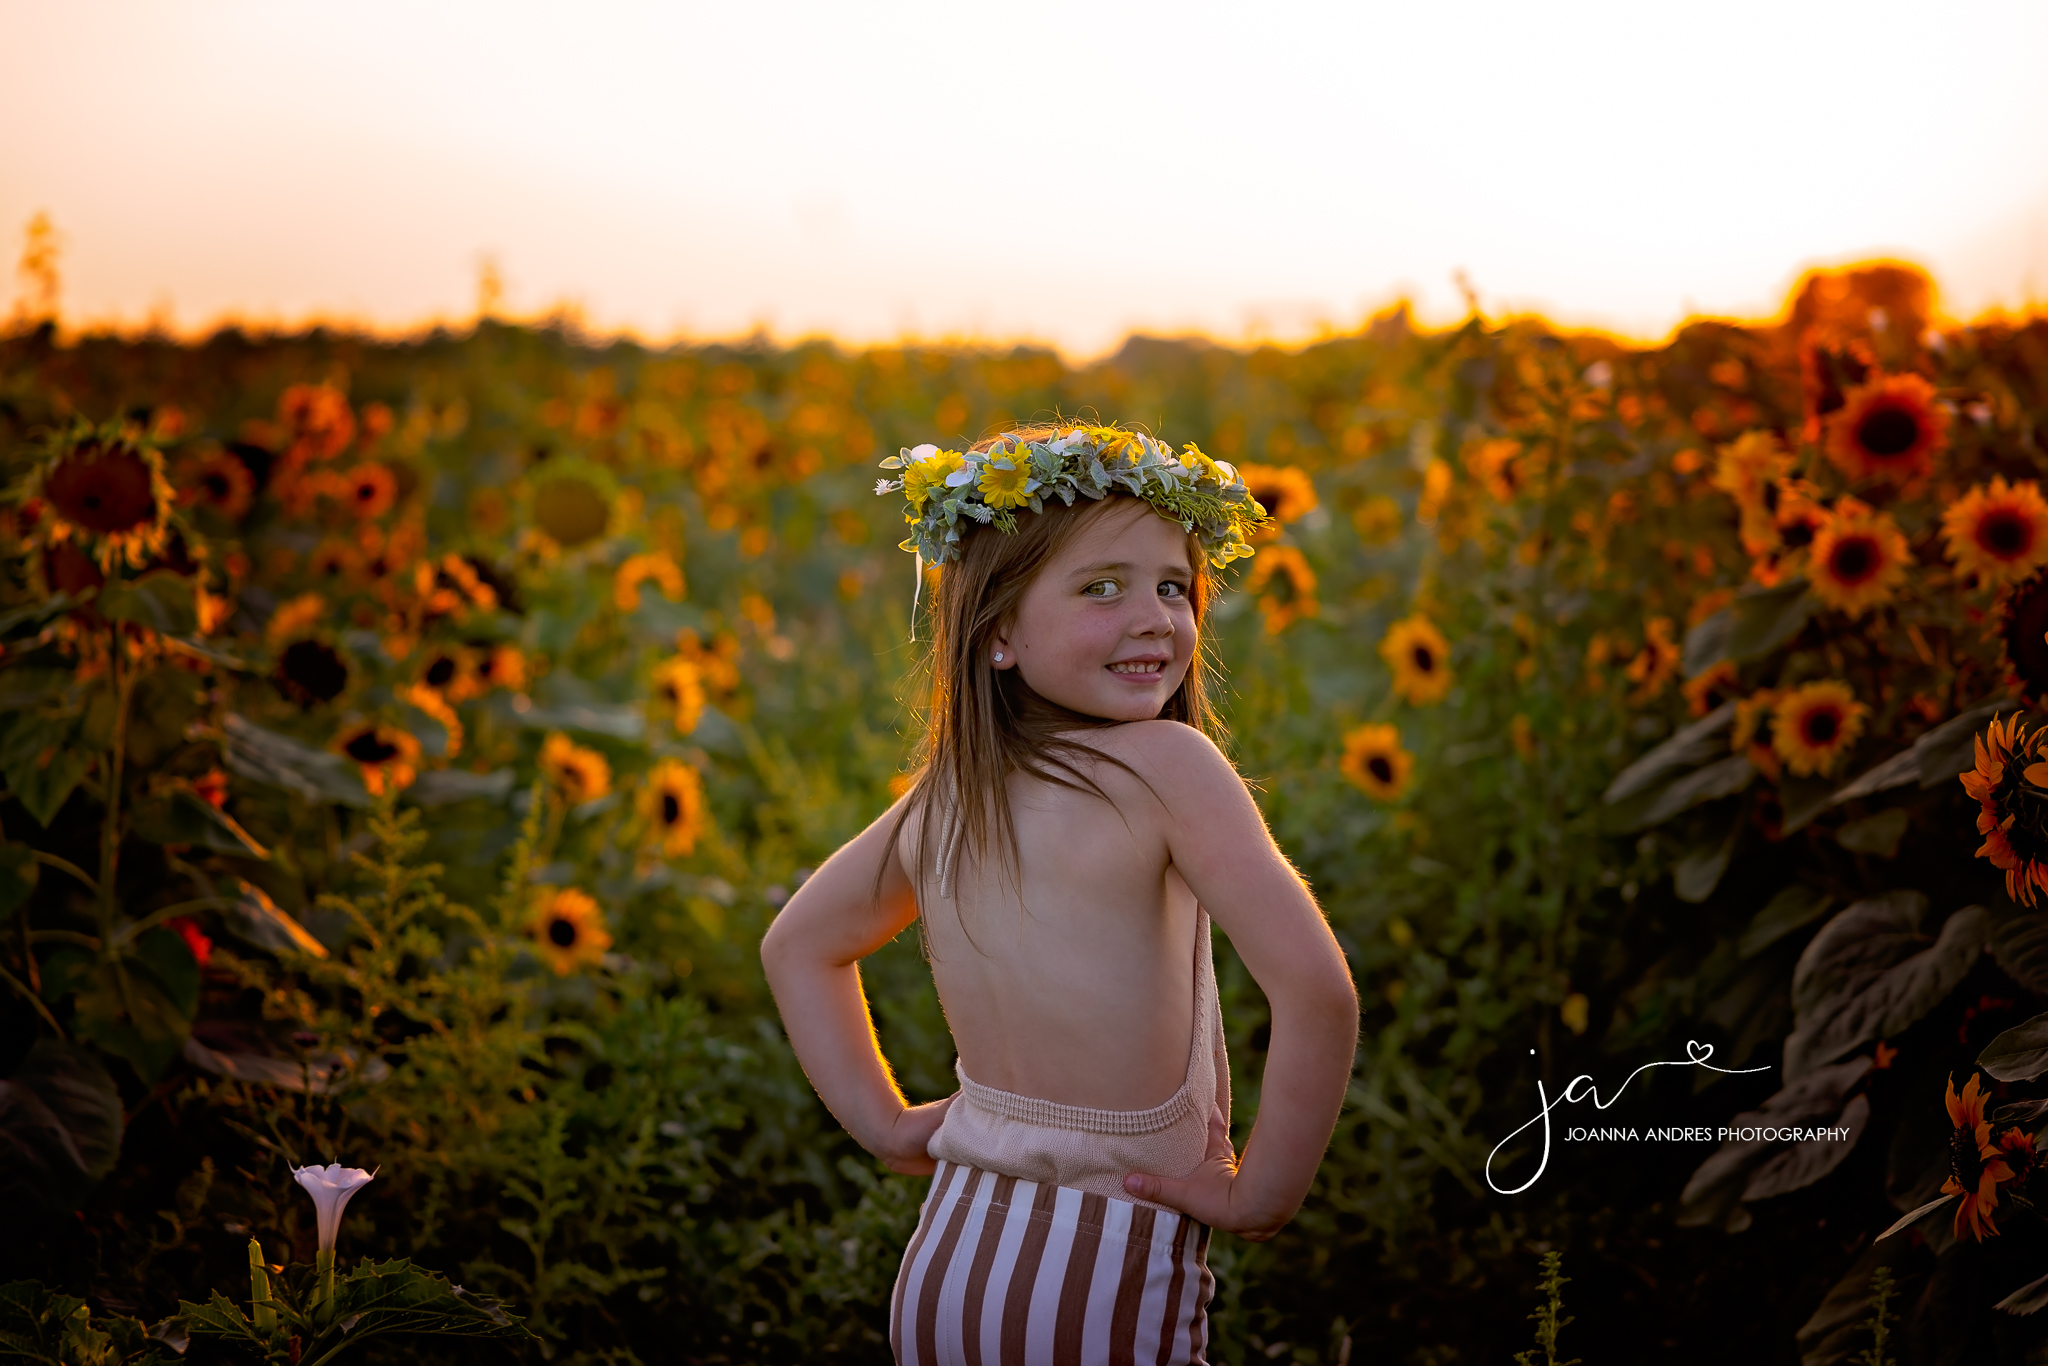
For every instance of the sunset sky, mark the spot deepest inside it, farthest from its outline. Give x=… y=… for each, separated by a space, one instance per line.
x=1054 y=172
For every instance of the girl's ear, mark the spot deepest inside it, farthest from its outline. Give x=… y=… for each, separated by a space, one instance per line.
x=1001 y=655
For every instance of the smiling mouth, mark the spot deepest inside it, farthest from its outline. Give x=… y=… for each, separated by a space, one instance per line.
x=1139 y=668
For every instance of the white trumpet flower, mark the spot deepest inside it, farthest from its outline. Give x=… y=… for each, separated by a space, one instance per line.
x=331 y=1186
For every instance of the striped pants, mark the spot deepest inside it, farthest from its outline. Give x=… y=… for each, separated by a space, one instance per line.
x=1004 y=1272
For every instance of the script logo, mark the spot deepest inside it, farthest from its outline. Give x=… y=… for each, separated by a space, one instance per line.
x=1696 y=1054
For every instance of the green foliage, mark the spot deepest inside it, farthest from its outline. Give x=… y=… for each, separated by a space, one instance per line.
x=1882 y=1288
x=286 y=824
x=1550 y=1317
x=40 y=1325
x=297 y=1315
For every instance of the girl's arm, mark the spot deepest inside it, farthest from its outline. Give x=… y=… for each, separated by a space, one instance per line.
x=1223 y=851
x=811 y=955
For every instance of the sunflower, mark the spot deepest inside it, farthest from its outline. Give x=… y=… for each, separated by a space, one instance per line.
x=1813 y=726
x=310 y=672
x=1285 y=492
x=571 y=510
x=1656 y=664
x=294 y=618
x=1285 y=586
x=333 y=560
x=568 y=928
x=1420 y=658
x=1831 y=363
x=2023 y=630
x=1999 y=533
x=680 y=683
x=718 y=663
x=109 y=493
x=1977 y=1165
x=1006 y=482
x=1890 y=428
x=922 y=479
x=318 y=419
x=1858 y=559
x=433 y=704
x=1374 y=760
x=452 y=671
x=1748 y=469
x=1710 y=689
x=388 y=757
x=1377 y=520
x=579 y=774
x=638 y=569
x=1750 y=734
x=69 y=570
x=218 y=479
x=466 y=578
x=2010 y=784
x=501 y=666
x=1498 y=466
x=672 y=805
x=369 y=490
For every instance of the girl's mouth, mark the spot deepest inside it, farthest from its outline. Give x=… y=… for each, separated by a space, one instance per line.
x=1144 y=670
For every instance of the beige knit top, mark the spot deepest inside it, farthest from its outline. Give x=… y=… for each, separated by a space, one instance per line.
x=1094 y=1150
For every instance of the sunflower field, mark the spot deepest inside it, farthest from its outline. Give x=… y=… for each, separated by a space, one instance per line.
x=406 y=743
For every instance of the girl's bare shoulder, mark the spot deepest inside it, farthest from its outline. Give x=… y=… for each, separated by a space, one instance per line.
x=1170 y=758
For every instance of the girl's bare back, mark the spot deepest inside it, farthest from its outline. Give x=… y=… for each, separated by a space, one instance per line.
x=1076 y=986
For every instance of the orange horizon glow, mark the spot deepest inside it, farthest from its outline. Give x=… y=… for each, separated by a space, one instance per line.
x=681 y=173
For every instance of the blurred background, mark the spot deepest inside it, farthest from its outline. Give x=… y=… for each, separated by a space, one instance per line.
x=1060 y=173
x=445 y=612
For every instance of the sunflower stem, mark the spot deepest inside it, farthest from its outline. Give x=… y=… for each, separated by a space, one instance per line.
x=110 y=830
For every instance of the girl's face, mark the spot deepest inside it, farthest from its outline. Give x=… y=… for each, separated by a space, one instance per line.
x=1107 y=628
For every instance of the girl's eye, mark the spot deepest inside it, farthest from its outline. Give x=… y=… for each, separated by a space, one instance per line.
x=1170 y=589
x=1102 y=588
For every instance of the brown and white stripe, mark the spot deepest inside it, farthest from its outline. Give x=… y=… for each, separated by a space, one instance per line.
x=1006 y=1272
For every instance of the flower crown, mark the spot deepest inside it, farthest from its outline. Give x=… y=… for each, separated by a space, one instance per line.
x=951 y=493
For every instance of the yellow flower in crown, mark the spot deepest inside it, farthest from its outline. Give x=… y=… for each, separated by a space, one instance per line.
x=1006 y=481
x=926 y=475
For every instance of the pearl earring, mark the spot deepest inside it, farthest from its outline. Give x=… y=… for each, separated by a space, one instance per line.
x=999 y=656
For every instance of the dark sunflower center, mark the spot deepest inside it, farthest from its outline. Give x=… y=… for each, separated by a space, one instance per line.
x=1888 y=433
x=369 y=748
x=440 y=671
x=312 y=671
x=2026 y=621
x=1855 y=559
x=562 y=933
x=1381 y=768
x=2006 y=534
x=1964 y=1161
x=671 y=809
x=366 y=490
x=107 y=491
x=1821 y=725
x=216 y=485
x=1425 y=658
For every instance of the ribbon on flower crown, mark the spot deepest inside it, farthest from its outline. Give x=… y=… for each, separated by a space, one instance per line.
x=951 y=493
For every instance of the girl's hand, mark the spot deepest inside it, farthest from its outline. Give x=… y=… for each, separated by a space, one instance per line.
x=903 y=1151
x=1211 y=1192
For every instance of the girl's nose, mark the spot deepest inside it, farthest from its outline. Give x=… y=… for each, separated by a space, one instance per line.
x=1157 y=622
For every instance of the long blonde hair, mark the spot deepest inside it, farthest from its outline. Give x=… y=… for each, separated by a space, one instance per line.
x=982 y=724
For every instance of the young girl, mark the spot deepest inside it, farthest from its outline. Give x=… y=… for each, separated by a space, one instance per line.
x=1071 y=832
